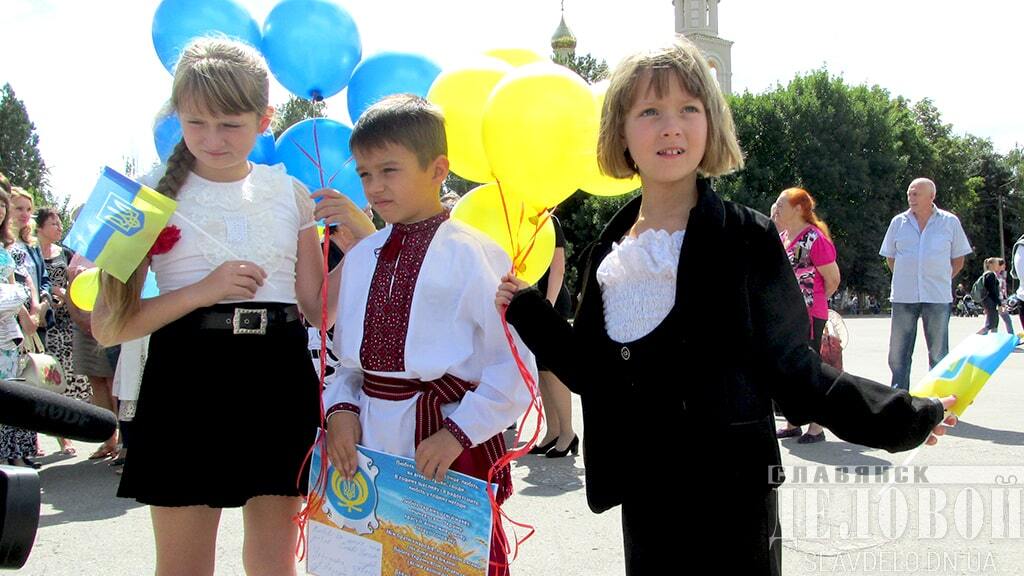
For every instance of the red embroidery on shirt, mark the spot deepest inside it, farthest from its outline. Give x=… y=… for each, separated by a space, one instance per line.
x=386 y=322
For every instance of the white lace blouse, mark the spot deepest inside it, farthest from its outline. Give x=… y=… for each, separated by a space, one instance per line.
x=257 y=218
x=638 y=283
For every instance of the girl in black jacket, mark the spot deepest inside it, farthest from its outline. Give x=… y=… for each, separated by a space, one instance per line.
x=991 y=302
x=677 y=395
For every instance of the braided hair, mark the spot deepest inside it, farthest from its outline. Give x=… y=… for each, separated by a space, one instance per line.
x=213 y=75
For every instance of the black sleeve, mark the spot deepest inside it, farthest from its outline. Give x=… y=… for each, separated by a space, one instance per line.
x=992 y=287
x=334 y=256
x=43 y=275
x=549 y=336
x=856 y=409
x=559 y=234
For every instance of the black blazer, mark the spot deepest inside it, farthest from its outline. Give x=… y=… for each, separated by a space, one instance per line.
x=700 y=386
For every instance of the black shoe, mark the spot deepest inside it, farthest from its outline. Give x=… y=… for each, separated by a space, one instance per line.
x=24 y=462
x=543 y=448
x=573 y=447
x=809 y=438
x=788 y=432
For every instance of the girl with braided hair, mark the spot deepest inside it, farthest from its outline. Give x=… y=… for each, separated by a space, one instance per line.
x=227 y=358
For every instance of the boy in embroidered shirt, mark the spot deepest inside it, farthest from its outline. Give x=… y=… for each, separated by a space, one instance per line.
x=416 y=327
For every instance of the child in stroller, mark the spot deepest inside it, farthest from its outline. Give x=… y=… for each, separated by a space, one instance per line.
x=967 y=307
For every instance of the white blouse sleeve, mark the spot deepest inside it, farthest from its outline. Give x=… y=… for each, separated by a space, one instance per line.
x=304 y=203
x=343 y=390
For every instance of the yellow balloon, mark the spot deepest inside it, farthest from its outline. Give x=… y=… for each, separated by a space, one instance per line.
x=536 y=132
x=594 y=181
x=516 y=56
x=530 y=248
x=84 y=289
x=461 y=93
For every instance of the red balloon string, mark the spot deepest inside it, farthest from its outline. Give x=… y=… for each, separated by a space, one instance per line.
x=497 y=513
x=317 y=492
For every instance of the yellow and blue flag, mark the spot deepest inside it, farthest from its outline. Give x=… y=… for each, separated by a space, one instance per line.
x=119 y=223
x=965 y=370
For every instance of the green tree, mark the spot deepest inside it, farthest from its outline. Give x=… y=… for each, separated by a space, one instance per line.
x=20 y=159
x=851 y=147
x=589 y=68
x=296 y=110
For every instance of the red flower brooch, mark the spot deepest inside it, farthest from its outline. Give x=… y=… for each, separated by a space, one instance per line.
x=166 y=240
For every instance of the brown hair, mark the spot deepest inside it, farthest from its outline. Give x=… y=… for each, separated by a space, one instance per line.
x=680 y=60
x=43 y=214
x=405 y=120
x=5 y=229
x=5 y=184
x=213 y=75
x=802 y=198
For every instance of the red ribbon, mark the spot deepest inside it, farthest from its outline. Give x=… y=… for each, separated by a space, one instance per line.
x=499 y=515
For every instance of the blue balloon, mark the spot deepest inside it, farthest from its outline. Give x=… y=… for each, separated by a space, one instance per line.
x=176 y=22
x=298 y=150
x=263 y=151
x=149 y=288
x=311 y=46
x=166 y=135
x=389 y=73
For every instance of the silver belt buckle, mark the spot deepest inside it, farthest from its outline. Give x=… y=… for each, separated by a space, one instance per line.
x=236 y=322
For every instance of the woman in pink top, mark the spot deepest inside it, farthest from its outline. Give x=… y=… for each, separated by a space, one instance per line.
x=813 y=257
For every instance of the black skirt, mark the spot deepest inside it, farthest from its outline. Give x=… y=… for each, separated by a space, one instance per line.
x=222 y=417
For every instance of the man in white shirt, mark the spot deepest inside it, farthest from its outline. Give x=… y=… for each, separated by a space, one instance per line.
x=924 y=248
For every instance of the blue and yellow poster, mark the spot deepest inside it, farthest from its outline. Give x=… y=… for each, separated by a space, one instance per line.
x=390 y=520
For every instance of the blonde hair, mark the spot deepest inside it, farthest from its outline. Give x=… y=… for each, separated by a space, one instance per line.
x=213 y=75
x=405 y=120
x=680 y=60
x=990 y=263
x=25 y=232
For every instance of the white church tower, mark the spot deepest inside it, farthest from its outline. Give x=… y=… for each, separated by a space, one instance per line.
x=697 y=20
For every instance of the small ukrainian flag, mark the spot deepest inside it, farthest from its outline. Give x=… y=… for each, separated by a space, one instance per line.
x=119 y=223
x=965 y=370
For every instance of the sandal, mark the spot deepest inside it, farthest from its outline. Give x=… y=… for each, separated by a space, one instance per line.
x=788 y=432
x=103 y=452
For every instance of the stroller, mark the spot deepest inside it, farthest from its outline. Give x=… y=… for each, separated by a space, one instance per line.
x=967 y=307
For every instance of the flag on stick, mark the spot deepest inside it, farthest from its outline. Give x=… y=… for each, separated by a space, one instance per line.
x=119 y=223
x=965 y=370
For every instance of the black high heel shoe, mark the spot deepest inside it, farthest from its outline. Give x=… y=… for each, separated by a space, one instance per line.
x=543 y=448
x=573 y=447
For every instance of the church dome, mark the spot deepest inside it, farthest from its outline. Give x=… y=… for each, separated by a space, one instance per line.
x=563 y=38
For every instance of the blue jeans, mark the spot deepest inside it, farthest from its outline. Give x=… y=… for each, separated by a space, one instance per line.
x=1006 y=320
x=903 y=334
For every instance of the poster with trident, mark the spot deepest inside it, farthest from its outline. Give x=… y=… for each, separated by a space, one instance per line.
x=390 y=520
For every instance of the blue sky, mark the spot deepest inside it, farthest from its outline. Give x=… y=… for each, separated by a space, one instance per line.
x=91 y=81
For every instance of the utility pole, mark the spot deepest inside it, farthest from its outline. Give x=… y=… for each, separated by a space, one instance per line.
x=1002 y=233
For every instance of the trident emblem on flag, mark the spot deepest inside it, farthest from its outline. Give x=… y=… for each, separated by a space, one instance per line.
x=121 y=215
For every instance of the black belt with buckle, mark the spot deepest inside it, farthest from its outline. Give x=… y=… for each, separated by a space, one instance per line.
x=253 y=320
